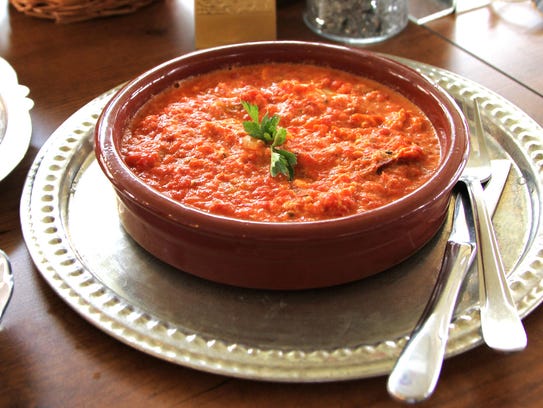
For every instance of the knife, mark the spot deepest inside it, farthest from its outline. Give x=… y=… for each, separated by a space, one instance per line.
x=6 y=282
x=417 y=370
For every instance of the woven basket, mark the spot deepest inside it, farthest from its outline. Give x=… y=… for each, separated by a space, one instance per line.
x=69 y=11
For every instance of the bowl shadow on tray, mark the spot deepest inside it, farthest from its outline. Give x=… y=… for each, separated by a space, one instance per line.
x=385 y=306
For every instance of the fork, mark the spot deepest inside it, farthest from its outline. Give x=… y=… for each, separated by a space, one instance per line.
x=416 y=372
x=501 y=326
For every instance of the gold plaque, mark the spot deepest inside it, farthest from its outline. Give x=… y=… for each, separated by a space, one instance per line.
x=222 y=22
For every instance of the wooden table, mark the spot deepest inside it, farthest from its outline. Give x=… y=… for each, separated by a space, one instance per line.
x=51 y=357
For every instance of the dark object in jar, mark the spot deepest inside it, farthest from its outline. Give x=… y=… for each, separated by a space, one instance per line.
x=358 y=18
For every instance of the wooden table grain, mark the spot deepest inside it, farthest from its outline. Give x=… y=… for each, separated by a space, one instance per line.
x=51 y=357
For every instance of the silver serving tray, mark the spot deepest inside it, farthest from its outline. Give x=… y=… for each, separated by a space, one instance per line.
x=70 y=224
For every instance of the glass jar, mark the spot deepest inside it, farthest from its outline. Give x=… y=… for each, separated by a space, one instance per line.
x=356 y=21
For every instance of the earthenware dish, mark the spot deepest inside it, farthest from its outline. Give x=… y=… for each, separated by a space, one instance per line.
x=293 y=255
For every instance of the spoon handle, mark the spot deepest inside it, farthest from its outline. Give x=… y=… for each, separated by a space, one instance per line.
x=6 y=282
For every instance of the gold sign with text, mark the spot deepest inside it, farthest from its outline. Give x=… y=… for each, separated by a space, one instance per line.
x=223 y=22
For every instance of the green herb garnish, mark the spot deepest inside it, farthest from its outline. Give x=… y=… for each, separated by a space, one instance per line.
x=282 y=161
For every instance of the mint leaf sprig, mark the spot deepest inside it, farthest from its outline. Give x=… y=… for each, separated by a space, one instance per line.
x=282 y=161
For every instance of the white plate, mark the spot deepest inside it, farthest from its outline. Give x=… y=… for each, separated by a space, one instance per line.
x=15 y=123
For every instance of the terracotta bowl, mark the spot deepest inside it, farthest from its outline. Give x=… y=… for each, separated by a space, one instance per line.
x=294 y=255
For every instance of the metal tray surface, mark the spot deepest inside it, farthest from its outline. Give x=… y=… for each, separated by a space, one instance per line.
x=70 y=224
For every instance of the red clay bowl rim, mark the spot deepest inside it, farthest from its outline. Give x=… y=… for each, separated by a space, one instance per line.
x=130 y=187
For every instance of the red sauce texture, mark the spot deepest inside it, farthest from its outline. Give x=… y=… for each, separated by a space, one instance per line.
x=359 y=144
